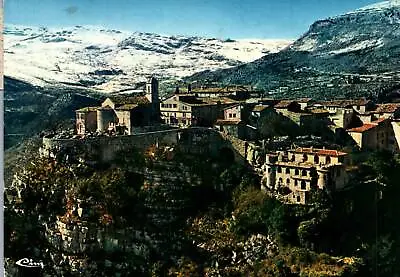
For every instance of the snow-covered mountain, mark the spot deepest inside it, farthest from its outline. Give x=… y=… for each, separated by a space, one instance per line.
x=380 y=6
x=112 y=60
x=353 y=54
x=365 y=29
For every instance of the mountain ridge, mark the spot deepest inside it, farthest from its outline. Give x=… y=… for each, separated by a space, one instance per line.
x=77 y=55
x=354 y=53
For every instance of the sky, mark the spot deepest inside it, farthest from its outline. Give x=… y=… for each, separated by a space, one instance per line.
x=223 y=19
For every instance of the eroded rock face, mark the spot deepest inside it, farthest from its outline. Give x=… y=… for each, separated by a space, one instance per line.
x=92 y=234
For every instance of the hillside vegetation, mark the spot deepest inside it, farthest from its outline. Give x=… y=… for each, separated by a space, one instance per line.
x=198 y=230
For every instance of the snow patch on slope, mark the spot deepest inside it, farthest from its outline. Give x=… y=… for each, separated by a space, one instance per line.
x=359 y=46
x=381 y=5
x=307 y=44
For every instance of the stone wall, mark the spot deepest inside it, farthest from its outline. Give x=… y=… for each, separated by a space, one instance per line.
x=103 y=149
x=244 y=151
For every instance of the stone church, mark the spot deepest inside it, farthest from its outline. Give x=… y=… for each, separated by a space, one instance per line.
x=120 y=114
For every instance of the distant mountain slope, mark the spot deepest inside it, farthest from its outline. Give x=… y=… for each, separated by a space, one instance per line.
x=111 y=60
x=357 y=53
x=29 y=110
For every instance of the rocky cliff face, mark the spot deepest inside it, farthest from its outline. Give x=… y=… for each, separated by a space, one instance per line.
x=106 y=221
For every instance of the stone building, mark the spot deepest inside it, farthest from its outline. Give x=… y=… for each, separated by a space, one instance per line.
x=152 y=96
x=285 y=106
x=343 y=113
x=259 y=111
x=361 y=105
x=304 y=102
x=312 y=121
x=375 y=135
x=239 y=119
x=86 y=120
x=388 y=110
x=121 y=114
x=185 y=110
x=239 y=111
x=295 y=173
x=235 y=128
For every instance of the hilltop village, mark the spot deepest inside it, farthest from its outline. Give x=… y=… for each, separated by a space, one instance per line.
x=246 y=118
x=222 y=171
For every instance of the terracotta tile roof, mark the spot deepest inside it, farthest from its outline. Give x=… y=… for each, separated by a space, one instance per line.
x=304 y=100
x=284 y=104
x=367 y=126
x=232 y=106
x=379 y=120
x=363 y=128
x=127 y=107
x=345 y=103
x=195 y=101
x=227 y=122
x=260 y=108
x=226 y=89
x=105 y=108
x=122 y=100
x=88 y=109
x=326 y=152
x=387 y=108
x=318 y=111
x=305 y=165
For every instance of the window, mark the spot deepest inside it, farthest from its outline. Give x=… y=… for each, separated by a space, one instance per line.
x=234 y=115
x=287 y=171
x=303 y=185
x=303 y=172
x=298 y=199
x=279 y=170
x=287 y=181
x=305 y=157
x=230 y=115
x=328 y=160
x=295 y=183
x=175 y=105
x=280 y=181
x=316 y=159
x=296 y=172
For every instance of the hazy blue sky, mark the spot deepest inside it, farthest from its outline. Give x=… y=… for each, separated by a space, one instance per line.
x=211 y=18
